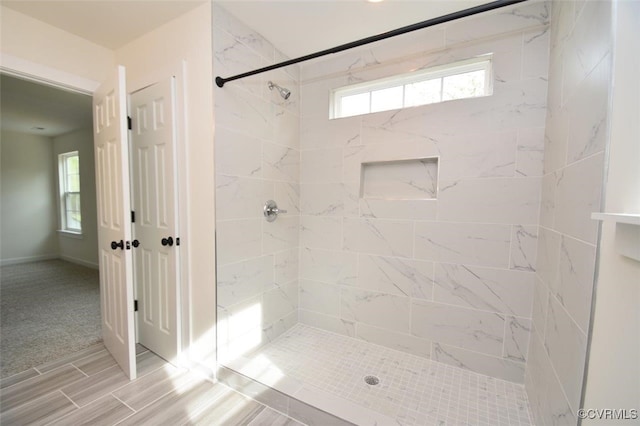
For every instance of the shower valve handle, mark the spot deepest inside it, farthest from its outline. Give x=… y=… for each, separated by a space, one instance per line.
x=271 y=210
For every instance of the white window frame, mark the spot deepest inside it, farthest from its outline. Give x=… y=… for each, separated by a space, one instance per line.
x=63 y=193
x=480 y=63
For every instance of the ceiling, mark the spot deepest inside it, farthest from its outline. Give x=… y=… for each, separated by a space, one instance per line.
x=301 y=27
x=295 y=27
x=111 y=24
x=25 y=106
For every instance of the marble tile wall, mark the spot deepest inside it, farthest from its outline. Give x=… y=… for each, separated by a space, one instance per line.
x=575 y=140
x=257 y=158
x=450 y=278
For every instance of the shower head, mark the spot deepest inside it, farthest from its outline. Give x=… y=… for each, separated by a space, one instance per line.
x=285 y=93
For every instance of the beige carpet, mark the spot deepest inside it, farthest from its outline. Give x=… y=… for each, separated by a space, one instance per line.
x=48 y=309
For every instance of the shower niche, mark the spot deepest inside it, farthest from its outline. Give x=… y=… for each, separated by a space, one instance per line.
x=411 y=179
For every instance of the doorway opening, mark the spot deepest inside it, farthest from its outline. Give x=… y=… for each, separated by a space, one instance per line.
x=49 y=278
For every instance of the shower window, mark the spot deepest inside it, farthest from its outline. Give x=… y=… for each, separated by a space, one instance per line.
x=459 y=80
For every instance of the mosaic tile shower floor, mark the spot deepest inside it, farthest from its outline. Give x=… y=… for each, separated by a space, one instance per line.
x=413 y=390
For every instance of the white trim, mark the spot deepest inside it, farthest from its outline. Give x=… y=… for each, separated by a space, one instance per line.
x=627 y=232
x=28 y=259
x=70 y=234
x=63 y=174
x=628 y=218
x=18 y=67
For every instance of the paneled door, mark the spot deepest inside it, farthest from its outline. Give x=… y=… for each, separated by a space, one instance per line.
x=114 y=228
x=155 y=205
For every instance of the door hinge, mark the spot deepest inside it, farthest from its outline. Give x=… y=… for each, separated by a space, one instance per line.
x=135 y=306
x=129 y=123
x=133 y=216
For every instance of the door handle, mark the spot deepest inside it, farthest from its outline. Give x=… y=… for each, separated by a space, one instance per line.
x=135 y=243
x=167 y=241
x=115 y=245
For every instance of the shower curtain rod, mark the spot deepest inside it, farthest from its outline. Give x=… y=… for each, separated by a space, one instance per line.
x=220 y=82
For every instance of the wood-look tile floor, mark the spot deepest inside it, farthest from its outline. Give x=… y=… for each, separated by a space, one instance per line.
x=88 y=388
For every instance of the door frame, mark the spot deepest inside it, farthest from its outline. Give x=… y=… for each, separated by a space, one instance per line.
x=42 y=74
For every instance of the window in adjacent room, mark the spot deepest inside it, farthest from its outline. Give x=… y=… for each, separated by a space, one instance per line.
x=69 y=178
x=459 y=80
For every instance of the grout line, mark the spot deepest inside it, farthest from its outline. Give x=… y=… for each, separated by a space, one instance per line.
x=175 y=389
x=4 y=390
x=124 y=419
x=74 y=366
x=124 y=403
x=511 y=238
x=504 y=341
x=72 y=401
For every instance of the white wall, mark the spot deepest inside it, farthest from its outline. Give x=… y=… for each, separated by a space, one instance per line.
x=257 y=159
x=33 y=47
x=155 y=56
x=613 y=379
x=450 y=278
x=29 y=214
x=81 y=249
x=576 y=136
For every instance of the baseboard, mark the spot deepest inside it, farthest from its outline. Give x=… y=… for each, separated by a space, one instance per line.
x=29 y=259
x=79 y=261
x=17 y=260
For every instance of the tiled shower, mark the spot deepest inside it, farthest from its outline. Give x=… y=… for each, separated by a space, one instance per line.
x=492 y=273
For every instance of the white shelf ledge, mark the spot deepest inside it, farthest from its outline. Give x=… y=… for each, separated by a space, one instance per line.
x=627 y=232
x=631 y=219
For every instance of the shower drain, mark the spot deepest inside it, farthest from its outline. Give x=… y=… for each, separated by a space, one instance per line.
x=371 y=380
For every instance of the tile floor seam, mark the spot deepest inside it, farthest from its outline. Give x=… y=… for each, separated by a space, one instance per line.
x=21 y=381
x=72 y=401
x=123 y=403
x=74 y=366
x=179 y=388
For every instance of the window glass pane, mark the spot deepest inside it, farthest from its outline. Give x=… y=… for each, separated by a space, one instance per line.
x=73 y=221
x=354 y=104
x=460 y=80
x=73 y=164
x=386 y=99
x=73 y=201
x=422 y=92
x=70 y=191
x=73 y=183
x=72 y=210
x=465 y=85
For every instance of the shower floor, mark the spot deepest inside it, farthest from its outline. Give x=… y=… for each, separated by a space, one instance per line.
x=412 y=390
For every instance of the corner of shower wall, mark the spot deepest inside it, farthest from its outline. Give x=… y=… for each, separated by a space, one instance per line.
x=257 y=159
x=576 y=136
x=449 y=278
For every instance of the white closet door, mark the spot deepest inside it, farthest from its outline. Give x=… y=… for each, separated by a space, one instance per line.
x=155 y=228
x=114 y=226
